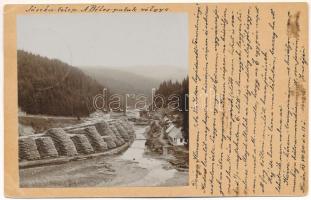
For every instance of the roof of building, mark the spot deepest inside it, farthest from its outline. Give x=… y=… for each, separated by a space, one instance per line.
x=169 y=128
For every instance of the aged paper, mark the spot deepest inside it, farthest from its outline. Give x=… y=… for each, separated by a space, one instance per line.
x=250 y=123
x=248 y=100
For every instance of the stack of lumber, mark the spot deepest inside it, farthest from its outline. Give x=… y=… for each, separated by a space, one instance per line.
x=103 y=128
x=62 y=142
x=46 y=147
x=119 y=141
x=28 y=149
x=114 y=129
x=110 y=142
x=95 y=139
x=118 y=138
x=129 y=127
x=126 y=124
x=77 y=131
x=108 y=131
x=122 y=132
x=82 y=144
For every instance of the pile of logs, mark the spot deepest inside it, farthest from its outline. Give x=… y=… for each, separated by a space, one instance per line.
x=122 y=131
x=28 y=149
x=85 y=139
x=95 y=139
x=82 y=144
x=110 y=141
x=46 y=147
x=62 y=142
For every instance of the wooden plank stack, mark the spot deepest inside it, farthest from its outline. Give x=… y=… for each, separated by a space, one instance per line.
x=122 y=131
x=129 y=126
x=110 y=141
x=103 y=128
x=95 y=139
x=46 y=147
x=114 y=129
x=28 y=149
x=82 y=144
x=87 y=139
x=62 y=142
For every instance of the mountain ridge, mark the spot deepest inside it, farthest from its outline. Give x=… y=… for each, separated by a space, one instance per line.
x=52 y=87
x=122 y=82
x=158 y=73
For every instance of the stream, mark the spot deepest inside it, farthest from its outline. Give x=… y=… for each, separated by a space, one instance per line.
x=157 y=167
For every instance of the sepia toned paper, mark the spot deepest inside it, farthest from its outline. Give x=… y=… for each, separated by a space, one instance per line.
x=248 y=100
x=250 y=129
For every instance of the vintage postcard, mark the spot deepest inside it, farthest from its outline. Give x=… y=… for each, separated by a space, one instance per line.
x=156 y=100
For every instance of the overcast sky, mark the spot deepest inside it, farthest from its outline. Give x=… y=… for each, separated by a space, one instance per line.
x=112 y=40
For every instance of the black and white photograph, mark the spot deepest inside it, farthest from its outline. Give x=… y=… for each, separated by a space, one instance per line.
x=103 y=100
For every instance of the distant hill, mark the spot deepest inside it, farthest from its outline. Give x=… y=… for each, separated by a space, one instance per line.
x=159 y=73
x=51 y=87
x=122 y=82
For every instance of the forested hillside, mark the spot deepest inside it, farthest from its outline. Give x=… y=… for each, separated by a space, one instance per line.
x=51 y=87
x=168 y=88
